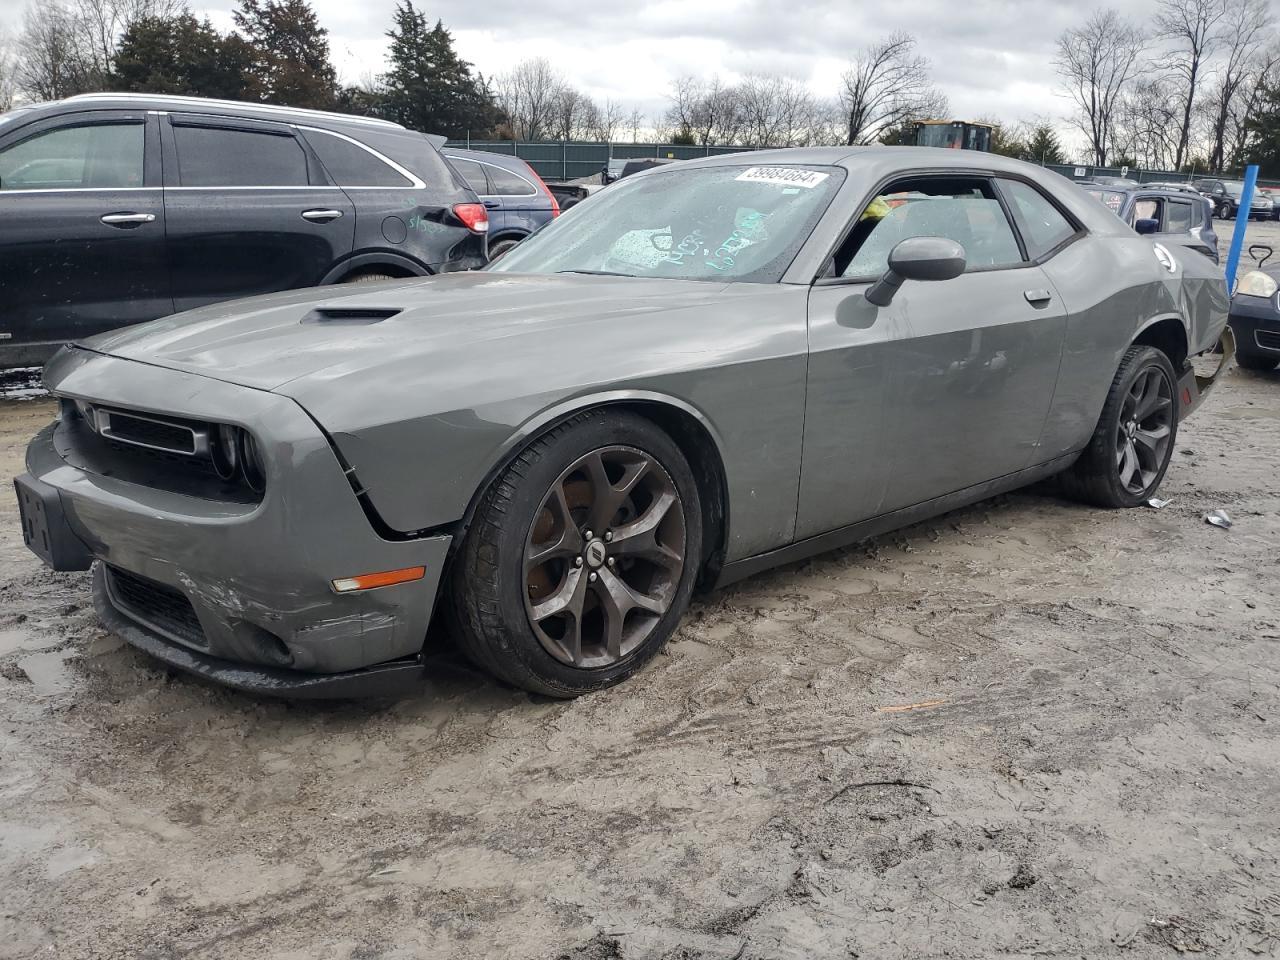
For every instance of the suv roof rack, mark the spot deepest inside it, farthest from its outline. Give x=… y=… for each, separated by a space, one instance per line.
x=243 y=105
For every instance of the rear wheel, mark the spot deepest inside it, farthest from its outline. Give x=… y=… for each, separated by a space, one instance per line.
x=1130 y=449
x=501 y=248
x=368 y=278
x=581 y=558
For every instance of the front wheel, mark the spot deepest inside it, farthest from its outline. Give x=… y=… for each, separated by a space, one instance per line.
x=581 y=558
x=1130 y=449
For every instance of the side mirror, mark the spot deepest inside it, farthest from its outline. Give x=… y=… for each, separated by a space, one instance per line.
x=1146 y=225
x=917 y=258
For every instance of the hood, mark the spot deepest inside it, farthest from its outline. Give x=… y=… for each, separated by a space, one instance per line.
x=267 y=342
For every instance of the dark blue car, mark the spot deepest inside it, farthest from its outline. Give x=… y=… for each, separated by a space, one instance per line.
x=517 y=200
x=1167 y=213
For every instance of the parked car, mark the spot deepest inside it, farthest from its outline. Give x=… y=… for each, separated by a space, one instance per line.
x=618 y=168
x=1255 y=313
x=708 y=370
x=517 y=200
x=1174 y=215
x=1272 y=194
x=119 y=208
x=1225 y=196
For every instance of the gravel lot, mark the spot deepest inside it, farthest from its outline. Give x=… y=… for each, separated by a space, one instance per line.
x=1027 y=728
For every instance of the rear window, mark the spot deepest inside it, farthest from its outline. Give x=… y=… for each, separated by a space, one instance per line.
x=1113 y=199
x=473 y=173
x=1178 y=216
x=509 y=184
x=220 y=157
x=351 y=165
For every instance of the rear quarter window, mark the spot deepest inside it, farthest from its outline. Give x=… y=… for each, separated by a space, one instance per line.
x=351 y=165
x=509 y=184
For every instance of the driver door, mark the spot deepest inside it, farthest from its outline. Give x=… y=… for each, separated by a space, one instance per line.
x=945 y=388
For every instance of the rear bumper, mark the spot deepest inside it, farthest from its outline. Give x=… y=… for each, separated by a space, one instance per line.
x=1193 y=387
x=249 y=584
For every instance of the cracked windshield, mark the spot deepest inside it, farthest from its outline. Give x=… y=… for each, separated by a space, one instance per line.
x=711 y=223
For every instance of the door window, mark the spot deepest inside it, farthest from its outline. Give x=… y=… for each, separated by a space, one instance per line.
x=1146 y=208
x=221 y=157
x=1178 y=217
x=103 y=156
x=961 y=209
x=508 y=184
x=351 y=165
x=473 y=173
x=1043 y=225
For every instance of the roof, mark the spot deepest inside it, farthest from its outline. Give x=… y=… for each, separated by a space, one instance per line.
x=906 y=157
x=265 y=111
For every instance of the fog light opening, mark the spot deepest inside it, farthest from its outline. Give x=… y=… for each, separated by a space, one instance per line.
x=224 y=450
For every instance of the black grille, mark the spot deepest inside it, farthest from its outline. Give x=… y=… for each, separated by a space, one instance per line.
x=151 y=433
x=1268 y=338
x=154 y=605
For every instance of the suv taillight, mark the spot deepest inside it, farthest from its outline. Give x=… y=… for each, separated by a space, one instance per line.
x=473 y=216
x=555 y=204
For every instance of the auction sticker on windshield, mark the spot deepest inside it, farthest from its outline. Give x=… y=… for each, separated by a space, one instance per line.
x=787 y=176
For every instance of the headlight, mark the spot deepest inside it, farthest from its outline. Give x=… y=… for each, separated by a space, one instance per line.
x=224 y=450
x=1255 y=283
x=252 y=466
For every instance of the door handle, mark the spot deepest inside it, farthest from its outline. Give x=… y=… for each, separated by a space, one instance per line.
x=1036 y=297
x=321 y=216
x=126 y=219
x=492 y=204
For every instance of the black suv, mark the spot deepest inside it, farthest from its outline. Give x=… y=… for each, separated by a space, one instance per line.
x=119 y=208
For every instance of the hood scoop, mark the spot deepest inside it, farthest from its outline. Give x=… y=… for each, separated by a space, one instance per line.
x=350 y=315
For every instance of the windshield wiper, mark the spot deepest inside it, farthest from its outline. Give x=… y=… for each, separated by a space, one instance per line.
x=596 y=273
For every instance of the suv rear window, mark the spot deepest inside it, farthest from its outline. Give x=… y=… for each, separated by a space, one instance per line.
x=221 y=157
x=351 y=165
x=508 y=184
x=1113 y=199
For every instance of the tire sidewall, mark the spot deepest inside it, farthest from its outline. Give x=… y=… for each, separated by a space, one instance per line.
x=518 y=639
x=1143 y=358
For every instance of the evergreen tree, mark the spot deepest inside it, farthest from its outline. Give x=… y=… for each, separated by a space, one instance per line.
x=291 y=63
x=429 y=87
x=182 y=55
x=1043 y=146
x=1263 y=128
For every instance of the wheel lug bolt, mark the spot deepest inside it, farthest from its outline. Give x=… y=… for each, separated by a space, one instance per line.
x=588 y=535
x=608 y=536
x=611 y=561
x=592 y=578
x=577 y=561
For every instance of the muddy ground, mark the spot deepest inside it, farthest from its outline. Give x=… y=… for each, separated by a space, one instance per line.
x=1091 y=769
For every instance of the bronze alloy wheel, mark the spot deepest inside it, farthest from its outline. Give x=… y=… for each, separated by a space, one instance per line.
x=604 y=557
x=1145 y=429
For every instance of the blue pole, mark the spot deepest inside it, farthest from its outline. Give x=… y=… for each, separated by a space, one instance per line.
x=1242 y=222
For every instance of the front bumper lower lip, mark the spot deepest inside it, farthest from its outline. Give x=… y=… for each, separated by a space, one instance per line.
x=393 y=679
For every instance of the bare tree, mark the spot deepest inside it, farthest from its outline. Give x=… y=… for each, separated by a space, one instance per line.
x=1146 y=123
x=1244 y=30
x=605 y=121
x=635 y=120
x=49 y=64
x=1192 y=27
x=99 y=24
x=530 y=97
x=1096 y=62
x=776 y=111
x=886 y=86
x=8 y=74
x=708 y=111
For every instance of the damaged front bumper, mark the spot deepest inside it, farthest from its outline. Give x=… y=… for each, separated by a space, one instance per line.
x=237 y=592
x=1193 y=387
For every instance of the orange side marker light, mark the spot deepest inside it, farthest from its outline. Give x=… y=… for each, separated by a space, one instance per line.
x=369 y=581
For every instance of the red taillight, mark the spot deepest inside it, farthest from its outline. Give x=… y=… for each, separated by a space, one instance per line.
x=473 y=216
x=555 y=204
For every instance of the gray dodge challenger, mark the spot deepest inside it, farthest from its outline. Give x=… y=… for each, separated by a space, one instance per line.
x=706 y=370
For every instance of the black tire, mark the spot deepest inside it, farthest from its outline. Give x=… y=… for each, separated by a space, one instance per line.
x=1260 y=362
x=368 y=278
x=501 y=248
x=1096 y=477
x=491 y=581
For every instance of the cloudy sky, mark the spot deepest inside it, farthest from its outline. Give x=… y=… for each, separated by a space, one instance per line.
x=991 y=57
